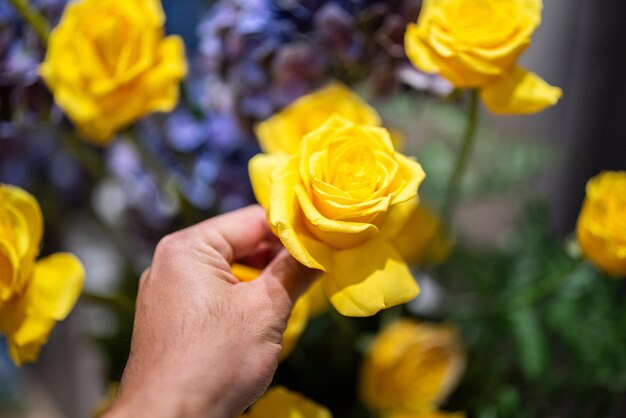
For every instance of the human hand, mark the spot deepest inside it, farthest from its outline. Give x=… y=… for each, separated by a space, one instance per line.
x=205 y=344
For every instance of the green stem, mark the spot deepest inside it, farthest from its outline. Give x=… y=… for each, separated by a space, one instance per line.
x=120 y=302
x=166 y=183
x=86 y=156
x=34 y=18
x=152 y=164
x=544 y=288
x=454 y=184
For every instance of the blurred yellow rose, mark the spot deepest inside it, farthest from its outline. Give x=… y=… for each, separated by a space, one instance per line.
x=601 y=226
x=318 y=302
x=283 y=132
x=424 y=241
x=109 y=64
x=337 y=203
x=411 y=367
x=476 y=44
x=278 y=402
x=311 y=304
x=34 y=295
x=296 y=325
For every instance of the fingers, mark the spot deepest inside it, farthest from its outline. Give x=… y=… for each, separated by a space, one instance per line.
x=288 y=275
x=234 y=235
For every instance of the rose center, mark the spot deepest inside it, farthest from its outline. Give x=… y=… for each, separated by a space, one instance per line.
x=111 y=35
x=483 y=21
x=352 y=169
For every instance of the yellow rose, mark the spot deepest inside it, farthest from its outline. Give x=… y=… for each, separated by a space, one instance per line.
x=601 y=226
x=337 y=203
x=283 y=132
x=411 y=367
x=109 y=64
x=278 y=402
x=318 y=302
x=476 y=44
x=311 y=304
x=423 y=241
x=34 y=295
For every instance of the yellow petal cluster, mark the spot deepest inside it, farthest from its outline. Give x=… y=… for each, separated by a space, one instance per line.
x=278 y=402
x=601 y=225
x=337 y=202
x=476 y=44
x=109 y=64
x=34 y=295
x=412 y=367
x=423 y=241
x=311 y=304
x=283 y=132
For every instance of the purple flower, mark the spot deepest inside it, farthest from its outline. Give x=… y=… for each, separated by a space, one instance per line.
x=226 y=133
x=123 y=161
x=184 y=133
x=338 y=29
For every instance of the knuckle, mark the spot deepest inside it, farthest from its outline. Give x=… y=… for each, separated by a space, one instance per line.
x=144 y=275
x=167 y=245
x=276 y=300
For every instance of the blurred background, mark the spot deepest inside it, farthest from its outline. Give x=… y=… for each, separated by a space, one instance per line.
x=251 y=58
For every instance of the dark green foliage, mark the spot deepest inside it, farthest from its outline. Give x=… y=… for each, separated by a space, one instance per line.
x=545 y=333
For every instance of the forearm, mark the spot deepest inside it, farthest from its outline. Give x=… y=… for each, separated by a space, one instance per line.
x=170 y=396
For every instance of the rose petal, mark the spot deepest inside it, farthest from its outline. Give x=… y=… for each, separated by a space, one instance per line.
x=9 y=265
x=521 y=92
x=295 y=326
x=286 y=217
x=396 y=217
x=338 y=234
x=260 y=168
x=27 y=205
x=55 y=286
x=419 y=54
x=278 y=402
x=285 y=131
x=369 y=278
x=414 y=174
x=422 y=239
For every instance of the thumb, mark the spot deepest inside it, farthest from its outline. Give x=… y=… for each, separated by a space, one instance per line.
x=287 y=274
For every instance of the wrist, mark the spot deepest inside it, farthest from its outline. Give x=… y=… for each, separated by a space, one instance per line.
x=133 y=403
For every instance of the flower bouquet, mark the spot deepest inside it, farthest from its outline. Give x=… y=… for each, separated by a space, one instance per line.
x=359 y=126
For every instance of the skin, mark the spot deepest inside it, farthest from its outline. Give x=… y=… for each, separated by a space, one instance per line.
x=205 y=344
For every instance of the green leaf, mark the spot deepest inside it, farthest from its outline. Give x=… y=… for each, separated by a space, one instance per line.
x=531 y=342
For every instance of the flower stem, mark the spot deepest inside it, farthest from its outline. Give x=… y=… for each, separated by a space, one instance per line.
x=454 y=184
x=34 y=18
x=544 y=288
x=88 y=157
x=150 y=160
x=120 y=302
x=168 y=183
